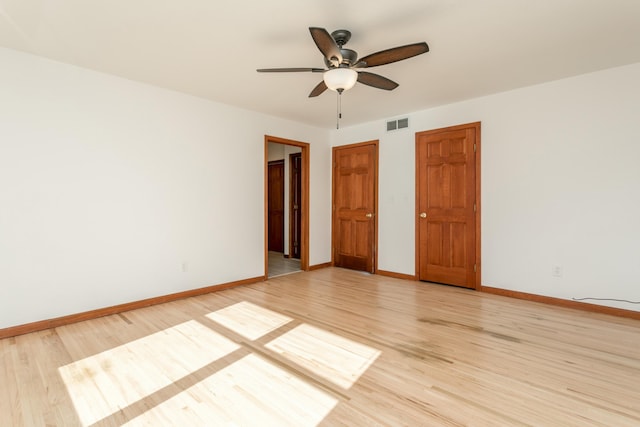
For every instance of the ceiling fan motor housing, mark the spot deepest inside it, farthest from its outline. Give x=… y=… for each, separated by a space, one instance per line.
x=349 y=58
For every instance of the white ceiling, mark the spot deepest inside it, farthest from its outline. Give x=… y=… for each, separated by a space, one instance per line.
x=211 y=48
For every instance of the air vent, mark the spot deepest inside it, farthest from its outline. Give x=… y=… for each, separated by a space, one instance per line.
x=397 y=124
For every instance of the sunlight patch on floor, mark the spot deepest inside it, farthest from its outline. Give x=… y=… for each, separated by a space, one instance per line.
x=251 y=392
x=337 y=359
x=249 y=320
x=102 y=384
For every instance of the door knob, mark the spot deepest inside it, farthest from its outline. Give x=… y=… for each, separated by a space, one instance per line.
x=369 y=215
x=423 y=214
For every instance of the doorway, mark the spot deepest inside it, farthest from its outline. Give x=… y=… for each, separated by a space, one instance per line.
x=448 y=205
x=355 y=206
x=286 y=206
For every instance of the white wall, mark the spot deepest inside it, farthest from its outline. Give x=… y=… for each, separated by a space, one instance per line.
x=560 y=185
x=275 y=151
x=109 y=189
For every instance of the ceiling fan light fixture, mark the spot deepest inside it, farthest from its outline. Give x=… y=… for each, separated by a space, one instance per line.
x=340 y=79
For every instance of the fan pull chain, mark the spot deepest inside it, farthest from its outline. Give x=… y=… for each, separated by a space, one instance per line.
x=339 y=108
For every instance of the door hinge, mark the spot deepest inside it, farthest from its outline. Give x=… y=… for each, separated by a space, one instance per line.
x=474 y=147
x=475 y=268
x=474 y=207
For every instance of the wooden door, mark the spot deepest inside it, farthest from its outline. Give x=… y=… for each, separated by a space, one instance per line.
x=447 y=202
x=295 y=204
x=355 y=169
x=276 y=205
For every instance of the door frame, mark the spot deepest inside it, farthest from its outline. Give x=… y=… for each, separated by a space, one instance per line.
x=476 y=126
x=376 y=144
x=304 y=221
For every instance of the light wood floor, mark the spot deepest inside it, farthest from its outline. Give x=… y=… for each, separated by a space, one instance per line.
x=329 y=347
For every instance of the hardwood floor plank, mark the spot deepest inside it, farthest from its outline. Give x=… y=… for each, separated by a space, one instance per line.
x=9 y=392
x=329 y=347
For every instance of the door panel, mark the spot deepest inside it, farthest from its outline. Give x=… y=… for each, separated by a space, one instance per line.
x=354 y=206
x=276 y=205
x=446 y=205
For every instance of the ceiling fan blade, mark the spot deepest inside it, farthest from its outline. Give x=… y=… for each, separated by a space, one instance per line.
x=290 y=70
x=326 y=44
x=377 y=81
x=395 y=54
x=321 y=87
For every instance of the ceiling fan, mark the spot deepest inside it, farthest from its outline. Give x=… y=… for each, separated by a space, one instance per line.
x=343 y=65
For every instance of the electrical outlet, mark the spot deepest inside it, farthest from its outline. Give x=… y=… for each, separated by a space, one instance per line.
x=556 y=271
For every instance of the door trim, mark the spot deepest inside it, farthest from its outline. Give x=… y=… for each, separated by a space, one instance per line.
x=476 y=126
x=375 y=143
x=304 y=221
